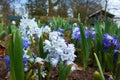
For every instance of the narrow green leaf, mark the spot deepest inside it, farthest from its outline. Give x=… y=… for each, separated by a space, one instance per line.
x=98 y=30
x=85 y=47
x=39 y=73
x=107 y=26
x=11 y=54
x=63 y=71
x=18 y=58
x=28 y=76
x=117 y=74
x=66 y=71
x=79 y=20
x=12 y=28
x=1 y=26
x=41 y=51
x=99 y=66
x=1 y=34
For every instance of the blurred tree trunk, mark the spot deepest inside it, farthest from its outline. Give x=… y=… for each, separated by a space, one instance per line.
x=85 y=8
x=87 y=11
x=36 y=8
x=5 y=9
x=106 y=4
x=62 y=9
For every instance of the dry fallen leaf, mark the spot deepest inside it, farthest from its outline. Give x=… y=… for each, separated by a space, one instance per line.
x=3 y=49
x=76 y=66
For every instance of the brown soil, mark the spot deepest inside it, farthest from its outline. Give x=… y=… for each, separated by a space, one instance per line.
x=75 y=75
x=3 y=69
x=82 y=75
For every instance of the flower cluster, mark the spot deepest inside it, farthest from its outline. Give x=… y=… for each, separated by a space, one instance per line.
x=45 y=29
x=76 y=33
x=29 y=27
x=111 y=43
x=58 y=49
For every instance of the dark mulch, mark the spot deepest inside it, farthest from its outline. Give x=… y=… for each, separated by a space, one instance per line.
x=75 y=75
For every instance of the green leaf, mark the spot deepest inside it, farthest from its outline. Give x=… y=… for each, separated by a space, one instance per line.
x=98 y=42
x=1 y=26
x=109 y=57
x=85 y=47
x=66 y=71
x=79 y=20
x=41 y=51
x=99 y=66
x=12 y=29
x=39 y=72
x=28 y=76
x=98 y=30
x=63 y=71
x=107 y=26
x=1 y=34
x=117 y=74
x=18 y=58
x=11 y=54
x=61 y=66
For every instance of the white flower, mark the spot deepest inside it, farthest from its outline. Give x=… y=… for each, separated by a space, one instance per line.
x=75 y=24
x=53 y=35
x=47 y=42
x=43 y=73
x=25 y=54
x=54 y=62
x=68 y=62
x=58 y=49
x=28 y=28
x=38 y=32
x=31 y=60
x=73 y=68
x=46 y=29
x=26 y=68
x=39 y=60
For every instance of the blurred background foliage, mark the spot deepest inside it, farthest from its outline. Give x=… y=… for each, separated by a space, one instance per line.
x=44 y=9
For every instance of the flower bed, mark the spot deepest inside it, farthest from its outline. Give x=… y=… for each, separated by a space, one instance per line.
x=60 y=51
